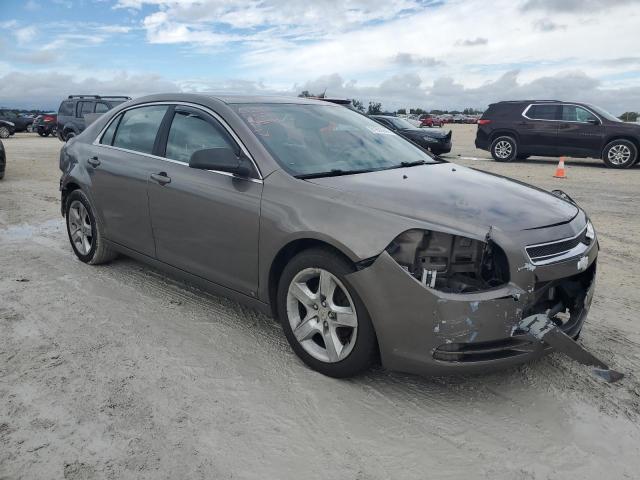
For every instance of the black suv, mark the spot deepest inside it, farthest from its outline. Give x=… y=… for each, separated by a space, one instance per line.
x=517 y=129
x=72 y=111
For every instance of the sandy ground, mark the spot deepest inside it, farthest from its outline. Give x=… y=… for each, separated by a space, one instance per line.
x=119 y=372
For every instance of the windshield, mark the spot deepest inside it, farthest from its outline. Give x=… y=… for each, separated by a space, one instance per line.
x=316 y=139
x=401 y=123
x=604 y=113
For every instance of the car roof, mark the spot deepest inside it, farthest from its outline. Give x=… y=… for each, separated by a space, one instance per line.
x=236 y=99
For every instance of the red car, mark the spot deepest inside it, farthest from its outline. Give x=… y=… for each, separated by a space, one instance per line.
x=428 y=120
x=45 y=124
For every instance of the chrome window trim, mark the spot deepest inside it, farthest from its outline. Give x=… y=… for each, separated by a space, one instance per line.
x=228 y=174
x=524 y=113
x=560 y=256
x=207 y=110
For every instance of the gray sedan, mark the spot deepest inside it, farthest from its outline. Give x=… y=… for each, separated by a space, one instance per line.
x=364 y=246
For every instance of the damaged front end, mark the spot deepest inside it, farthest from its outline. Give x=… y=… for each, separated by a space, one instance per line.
x=441 y=301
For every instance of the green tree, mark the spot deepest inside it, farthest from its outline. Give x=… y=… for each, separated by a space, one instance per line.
x=375 y=108
x=629 y=116
x=358 y=105
x=401 y=111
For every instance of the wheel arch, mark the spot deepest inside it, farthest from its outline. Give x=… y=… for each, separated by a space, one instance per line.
x=504 y=132
x=66 y=190
x=285 y=254
x=613 y=138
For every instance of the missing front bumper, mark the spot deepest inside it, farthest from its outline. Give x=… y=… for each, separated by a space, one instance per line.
x=424 y=331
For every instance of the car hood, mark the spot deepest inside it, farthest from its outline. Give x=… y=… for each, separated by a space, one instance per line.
x=420 y=132
x=455 y=196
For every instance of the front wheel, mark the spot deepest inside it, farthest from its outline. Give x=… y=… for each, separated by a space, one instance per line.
x=322 y=316
x=69 y=135
x=5 y=132
x=620 y=154
x=504 y=149
x=42 y=133
x=85 y=233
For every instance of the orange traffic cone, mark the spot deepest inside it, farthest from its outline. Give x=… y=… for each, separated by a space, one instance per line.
x=560 y=171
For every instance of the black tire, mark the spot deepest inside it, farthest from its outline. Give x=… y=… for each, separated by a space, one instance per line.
x=504 y=149
x=626 y=146
x=42 y=133
x=99 y=251
x=69 y=135
x=5 y=132
x=365 y=349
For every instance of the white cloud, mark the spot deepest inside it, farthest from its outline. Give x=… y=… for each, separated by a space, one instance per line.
x=46 y=89
x=25 y=34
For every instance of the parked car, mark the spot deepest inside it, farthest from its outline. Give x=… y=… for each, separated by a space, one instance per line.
x=21 y=123
x=3 y=160
x=45 y=124
x=436 y=141
x=7 y=129
x=72 y=112
x=428 y=120
x=358 y=241
x=517 y=129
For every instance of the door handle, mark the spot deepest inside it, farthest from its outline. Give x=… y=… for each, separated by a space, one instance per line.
x=162 y=178
x=93 y=161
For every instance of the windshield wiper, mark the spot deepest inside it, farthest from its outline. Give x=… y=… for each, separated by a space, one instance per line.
x=335 y=172
x=408 y=164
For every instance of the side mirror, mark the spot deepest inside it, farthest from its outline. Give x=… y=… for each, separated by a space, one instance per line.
x=223 y=159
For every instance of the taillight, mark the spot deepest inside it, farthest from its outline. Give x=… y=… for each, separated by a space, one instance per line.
x=48 y=119
x=484 y=122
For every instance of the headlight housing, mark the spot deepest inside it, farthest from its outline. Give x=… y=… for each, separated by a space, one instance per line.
x=591 y=232
x=450 y=263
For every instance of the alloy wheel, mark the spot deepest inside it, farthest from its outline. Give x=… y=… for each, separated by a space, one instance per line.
x=503 y=149
x=80 y=227
x=619 y=154
x=322 y=315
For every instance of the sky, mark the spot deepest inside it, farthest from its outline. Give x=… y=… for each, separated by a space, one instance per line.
x=432 y=54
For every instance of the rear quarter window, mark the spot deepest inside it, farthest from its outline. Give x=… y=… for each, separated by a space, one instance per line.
x=66 y=108
x=107 y=137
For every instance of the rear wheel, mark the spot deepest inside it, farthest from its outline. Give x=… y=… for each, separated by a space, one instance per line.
x=85 y=232
x=324 y=320
x=69 y=135
x=504 y=149
x=5 y=132
x=620 y=154
x=43 y=133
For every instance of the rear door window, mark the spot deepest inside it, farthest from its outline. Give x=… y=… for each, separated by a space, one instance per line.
x=543 y=112
x=192 y=130
x=138 y=128
x=83 y=108
x=574 y=113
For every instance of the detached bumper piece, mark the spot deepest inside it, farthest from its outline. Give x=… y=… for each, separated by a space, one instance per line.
x=541 y=328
